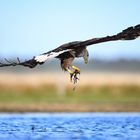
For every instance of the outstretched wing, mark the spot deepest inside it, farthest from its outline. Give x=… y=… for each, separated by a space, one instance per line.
x=127 y=34
x=130 y=33
x=40 y=59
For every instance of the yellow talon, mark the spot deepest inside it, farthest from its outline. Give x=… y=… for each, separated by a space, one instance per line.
x=71 y=72
x=75 y=68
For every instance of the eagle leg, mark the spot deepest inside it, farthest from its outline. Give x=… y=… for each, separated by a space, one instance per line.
x=71 y=73
x=74 y=72
x=74 y=76
x=76 y=69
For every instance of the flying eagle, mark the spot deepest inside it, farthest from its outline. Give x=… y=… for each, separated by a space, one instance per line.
x=66 y=53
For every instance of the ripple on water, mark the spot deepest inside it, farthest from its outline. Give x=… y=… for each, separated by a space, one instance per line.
x=70 y=126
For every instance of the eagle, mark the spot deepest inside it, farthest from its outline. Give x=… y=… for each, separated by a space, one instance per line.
x=66 y=53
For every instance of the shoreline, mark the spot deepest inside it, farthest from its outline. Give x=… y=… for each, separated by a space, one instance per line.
x=13 y=108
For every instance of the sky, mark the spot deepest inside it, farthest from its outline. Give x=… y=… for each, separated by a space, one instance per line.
x=32 y=27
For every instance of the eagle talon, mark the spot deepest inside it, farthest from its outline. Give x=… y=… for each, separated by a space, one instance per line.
x=73 y=76
x=76 y=70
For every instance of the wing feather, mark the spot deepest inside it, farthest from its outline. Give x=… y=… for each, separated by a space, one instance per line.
x=130 y=33
x=43 y=57
x=40 y=59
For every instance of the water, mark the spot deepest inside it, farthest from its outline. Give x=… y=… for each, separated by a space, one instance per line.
x=70 y=126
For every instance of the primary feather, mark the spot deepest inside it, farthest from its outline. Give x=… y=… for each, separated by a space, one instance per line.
x=43 y=57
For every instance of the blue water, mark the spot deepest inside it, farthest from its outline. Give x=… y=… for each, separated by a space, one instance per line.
x=70 y=126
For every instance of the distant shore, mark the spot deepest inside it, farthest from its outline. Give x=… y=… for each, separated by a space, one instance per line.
x=62 y=78
x=57 y=107
x=51 y=92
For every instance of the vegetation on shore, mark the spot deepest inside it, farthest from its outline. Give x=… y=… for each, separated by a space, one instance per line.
x=84 y=98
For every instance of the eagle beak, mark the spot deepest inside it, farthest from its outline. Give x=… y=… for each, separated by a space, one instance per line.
x=85 y=56
x=86 y=60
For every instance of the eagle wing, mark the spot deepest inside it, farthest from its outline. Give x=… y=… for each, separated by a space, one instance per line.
x=130 y=33
x=40 y=59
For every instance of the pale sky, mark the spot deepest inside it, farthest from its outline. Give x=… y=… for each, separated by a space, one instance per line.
x=32 y=27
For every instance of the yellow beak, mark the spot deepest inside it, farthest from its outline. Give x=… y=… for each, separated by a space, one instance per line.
x=86 y=60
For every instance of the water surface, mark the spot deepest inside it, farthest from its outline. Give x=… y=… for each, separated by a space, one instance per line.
x=67 y=126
